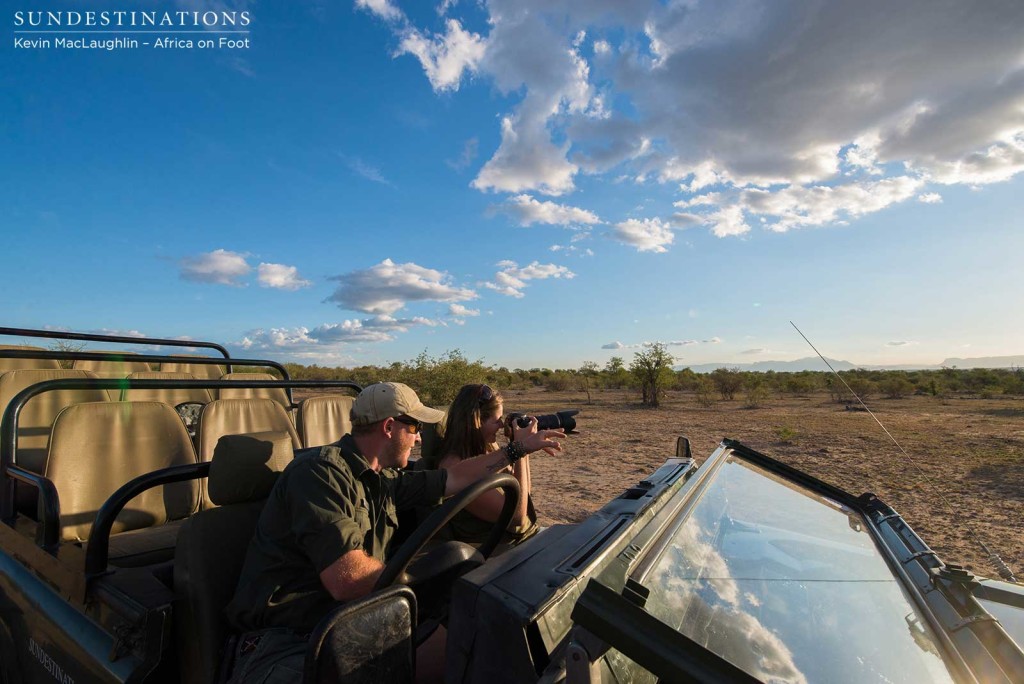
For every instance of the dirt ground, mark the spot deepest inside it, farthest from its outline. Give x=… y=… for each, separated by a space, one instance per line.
x=969 y=456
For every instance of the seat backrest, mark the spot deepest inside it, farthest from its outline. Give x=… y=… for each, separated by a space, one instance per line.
x=95 y=448
x=323 y=420
x=212 y=545
x=200 y=371
x=37 y=416
x=20 y=364
x=238 y=417
x=276 y=393
x=119 y=366
x=173 y=397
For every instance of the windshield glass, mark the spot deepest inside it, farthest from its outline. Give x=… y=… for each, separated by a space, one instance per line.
x=787 y=585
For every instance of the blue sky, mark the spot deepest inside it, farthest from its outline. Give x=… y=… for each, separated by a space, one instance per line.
x=534 y=183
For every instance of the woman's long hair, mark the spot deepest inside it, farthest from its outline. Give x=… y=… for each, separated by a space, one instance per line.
x=461 y=428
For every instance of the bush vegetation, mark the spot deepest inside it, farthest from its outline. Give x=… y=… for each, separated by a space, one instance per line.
x=649 y=375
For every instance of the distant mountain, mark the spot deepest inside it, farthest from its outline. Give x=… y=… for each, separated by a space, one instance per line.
x=986 y=362
x=808 y=363
x=816 y=364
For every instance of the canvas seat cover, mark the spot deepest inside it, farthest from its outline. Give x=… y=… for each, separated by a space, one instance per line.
x=21 y=364
x=324 y=420
x=201 y=371
x=278 y=394
x=238 y=417
x=114 y=368
x=97 y=447
x=37 y=416
x=173 y=397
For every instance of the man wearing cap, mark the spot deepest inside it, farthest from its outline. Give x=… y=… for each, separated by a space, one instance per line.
x=323 y=535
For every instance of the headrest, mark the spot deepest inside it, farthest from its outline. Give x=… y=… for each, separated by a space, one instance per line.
x=245 y=467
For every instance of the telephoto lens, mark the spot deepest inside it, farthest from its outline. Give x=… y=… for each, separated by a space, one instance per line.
x=551 y=421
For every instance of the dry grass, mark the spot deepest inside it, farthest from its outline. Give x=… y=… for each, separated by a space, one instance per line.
x=969 y=456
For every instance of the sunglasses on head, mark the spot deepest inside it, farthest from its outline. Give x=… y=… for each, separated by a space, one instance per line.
x=484 y=394
x=416 y=425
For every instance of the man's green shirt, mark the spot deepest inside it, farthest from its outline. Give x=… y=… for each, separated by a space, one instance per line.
x=327 y=502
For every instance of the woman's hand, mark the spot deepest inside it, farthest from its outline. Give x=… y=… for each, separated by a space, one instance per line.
x=532 y=440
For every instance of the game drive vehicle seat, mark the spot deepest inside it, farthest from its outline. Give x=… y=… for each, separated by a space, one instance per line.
x=95 y=448
x=212 y=546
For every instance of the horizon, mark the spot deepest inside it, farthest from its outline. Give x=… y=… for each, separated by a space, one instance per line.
x=534 y=184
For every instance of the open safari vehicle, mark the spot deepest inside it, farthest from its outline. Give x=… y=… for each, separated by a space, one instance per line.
x=131 y=485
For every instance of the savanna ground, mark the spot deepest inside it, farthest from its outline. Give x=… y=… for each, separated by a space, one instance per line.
x=969 y=455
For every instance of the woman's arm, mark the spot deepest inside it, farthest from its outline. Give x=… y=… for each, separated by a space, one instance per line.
x=463 y=473
x=489 y=504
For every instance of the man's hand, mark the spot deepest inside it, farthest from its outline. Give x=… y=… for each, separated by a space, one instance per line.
x=352 y=576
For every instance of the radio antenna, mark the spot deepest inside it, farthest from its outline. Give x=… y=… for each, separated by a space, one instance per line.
x=1001 y=567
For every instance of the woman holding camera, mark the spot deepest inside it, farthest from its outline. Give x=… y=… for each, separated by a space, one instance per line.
x=470 y=429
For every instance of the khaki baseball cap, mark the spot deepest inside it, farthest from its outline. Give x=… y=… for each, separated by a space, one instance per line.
x=389 y=400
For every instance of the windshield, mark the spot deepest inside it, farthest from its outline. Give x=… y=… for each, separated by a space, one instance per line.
x=786 y=584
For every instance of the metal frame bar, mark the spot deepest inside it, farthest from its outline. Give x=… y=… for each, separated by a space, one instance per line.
x=121 y=339
x=156 y=358
x=97 y=552
x=667 y=654
x=48 y=499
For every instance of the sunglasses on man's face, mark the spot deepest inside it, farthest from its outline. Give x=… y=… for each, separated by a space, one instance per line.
x=417 y=426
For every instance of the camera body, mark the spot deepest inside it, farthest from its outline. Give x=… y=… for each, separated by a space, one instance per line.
x=550 y=421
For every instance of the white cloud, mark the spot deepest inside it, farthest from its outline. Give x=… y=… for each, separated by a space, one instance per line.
x=728 y=221
x=462 y=311
x=710 y=198
x=647 y=235
x=900 y=343
x=526 y=52
x=930 y=198
x=324 y=338
x=370 y=173
x=794 y=99
x=444 y=57
x=682 y=343
x=220 y=267
x=122 y=333
x=511 y=279
x=281 y=277
x=613 y=345
x=713 y=340
x=527 y=160
x=750 y=352
x=382 y=8
x=388 y=287
x=799 y=207
x=528 y=211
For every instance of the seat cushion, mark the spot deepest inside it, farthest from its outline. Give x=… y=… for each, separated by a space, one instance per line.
x=148 y=546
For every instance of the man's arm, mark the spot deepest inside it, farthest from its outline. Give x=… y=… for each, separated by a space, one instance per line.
x=352 y=576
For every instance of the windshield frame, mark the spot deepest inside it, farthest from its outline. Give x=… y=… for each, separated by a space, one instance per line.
x=972 y=642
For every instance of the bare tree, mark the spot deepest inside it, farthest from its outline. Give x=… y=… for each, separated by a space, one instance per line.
x=587 y=373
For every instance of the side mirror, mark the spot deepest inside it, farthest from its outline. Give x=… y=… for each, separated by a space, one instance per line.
x=369 y=640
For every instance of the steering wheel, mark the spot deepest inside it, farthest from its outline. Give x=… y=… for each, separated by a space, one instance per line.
x=457 y=552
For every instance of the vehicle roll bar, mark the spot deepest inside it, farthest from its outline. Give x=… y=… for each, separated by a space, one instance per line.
x=121 y=339
x=98 y=549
